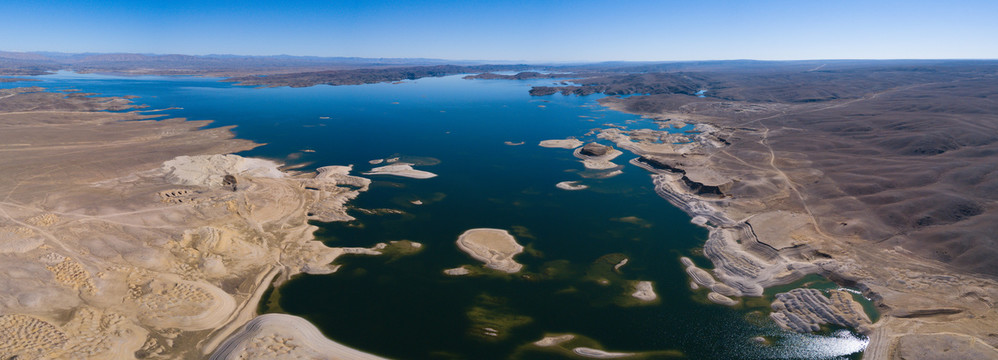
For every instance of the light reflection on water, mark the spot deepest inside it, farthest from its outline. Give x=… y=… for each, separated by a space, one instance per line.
x=840 y=344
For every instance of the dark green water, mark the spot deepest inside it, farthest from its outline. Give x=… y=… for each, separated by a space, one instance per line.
x=404 y=306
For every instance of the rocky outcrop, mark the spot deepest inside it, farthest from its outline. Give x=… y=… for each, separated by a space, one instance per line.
x=660 y=165
x=595 y=149
x=701 y=189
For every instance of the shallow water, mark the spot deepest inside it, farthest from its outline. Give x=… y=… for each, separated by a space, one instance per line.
x=404 y=306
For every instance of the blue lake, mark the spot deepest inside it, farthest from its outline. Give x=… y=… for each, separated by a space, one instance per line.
x=404 y=306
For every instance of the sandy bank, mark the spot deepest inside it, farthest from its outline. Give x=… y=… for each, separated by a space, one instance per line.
x=273 y=336
x=599 y=354
x=401 y=169
x=562 y=143
x=495 y=247
x=571 y=185
x=458 y=271
x=554 y=340
x=644 y=291
x=721 y=299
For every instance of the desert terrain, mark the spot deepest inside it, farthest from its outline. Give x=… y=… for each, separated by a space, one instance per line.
x=125 y=237
x=879 y=176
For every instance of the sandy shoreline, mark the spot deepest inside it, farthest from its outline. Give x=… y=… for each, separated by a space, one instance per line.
x=271 y=336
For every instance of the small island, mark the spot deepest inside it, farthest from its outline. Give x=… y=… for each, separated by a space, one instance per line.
x=495 y=247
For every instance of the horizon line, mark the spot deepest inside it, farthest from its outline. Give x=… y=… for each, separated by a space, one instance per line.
x=524 y=62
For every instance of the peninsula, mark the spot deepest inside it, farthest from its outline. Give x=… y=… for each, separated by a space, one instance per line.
x=143 y=239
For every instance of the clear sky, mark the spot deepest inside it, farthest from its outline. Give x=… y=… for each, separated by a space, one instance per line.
x=578 y=30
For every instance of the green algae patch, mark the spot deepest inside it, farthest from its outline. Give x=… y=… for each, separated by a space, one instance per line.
x=492 y=319
x=401 y=248
x=602 y=270
x=270 y=301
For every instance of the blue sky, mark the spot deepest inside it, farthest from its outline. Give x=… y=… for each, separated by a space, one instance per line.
x=512 y=30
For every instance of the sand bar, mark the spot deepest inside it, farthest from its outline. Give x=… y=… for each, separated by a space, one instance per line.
x=495 y=247
x=571 y=185
x=599 y=354
x=644 y=291
x=401 y=169
x=554 y=340
x=562 y=143
x=721 y=299
x=458 y=271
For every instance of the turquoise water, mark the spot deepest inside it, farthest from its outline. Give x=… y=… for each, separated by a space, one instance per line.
x=404 y=306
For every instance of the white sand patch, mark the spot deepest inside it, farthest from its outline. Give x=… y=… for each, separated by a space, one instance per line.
x=458 y=271
x=571 y=185
x=401 y=169
x=563 y=143
x=643 y=291
x=208 y=170
x=599 y=354
x=554 y=340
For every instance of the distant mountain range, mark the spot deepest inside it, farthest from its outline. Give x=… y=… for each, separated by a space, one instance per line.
x=37 y=63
